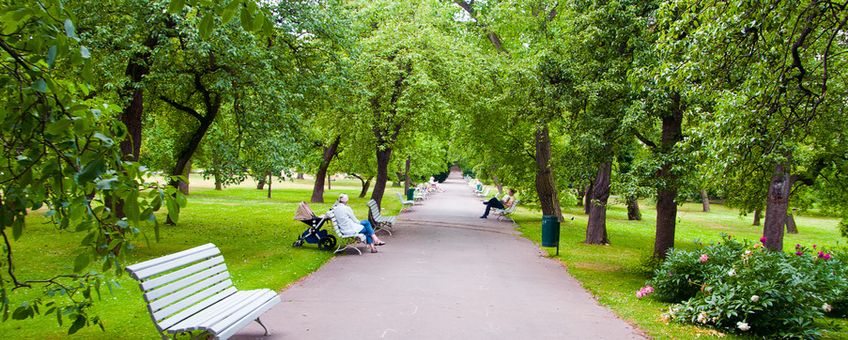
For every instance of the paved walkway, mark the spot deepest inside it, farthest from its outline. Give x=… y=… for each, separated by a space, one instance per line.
x=445 y=274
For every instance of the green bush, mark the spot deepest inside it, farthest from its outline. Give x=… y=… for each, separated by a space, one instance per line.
x=843 y=227
x=746 y=289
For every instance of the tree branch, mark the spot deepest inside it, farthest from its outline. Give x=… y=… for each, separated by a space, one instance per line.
x=183 y=108
x=644 y=140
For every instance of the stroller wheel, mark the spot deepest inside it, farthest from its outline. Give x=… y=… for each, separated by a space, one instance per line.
x=327 y=243
x=297 y=243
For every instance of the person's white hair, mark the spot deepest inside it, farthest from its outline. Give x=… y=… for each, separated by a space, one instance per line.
x=343 y=198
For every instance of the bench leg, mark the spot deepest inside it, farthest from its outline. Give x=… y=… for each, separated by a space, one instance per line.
x=263 y=326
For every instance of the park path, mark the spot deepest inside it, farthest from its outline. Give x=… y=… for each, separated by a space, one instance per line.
x=445 y=274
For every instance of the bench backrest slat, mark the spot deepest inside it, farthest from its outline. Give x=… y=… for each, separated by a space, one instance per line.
x=189 y=309
x=176 y=275
x=133 y=269
x=163 y=312
x=374 y=210
x=212 y=282
x=175 y=286
x=165 y=266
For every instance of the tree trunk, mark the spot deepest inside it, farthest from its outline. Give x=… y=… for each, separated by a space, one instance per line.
x=705 y=200
x=407 y=181
x=596 y=229
x=183 y=186
x=261 y=184
x=587 y=207
x=672 y=132
x=791 y=227
x=270 y=179
x=545 y=184
x=365 y=186
x=497 y=183
x=383 y=158
x=218 y=185
x=776 y=207
x=633 y=213
x=300 y=175
x=399 y=178
x=329 y=182
x=318 y=187
x=757 y=216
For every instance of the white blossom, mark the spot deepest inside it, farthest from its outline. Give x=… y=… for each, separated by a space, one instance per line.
x=755 y=298
x=731 y=272
x=743 y=326
x=827 y=308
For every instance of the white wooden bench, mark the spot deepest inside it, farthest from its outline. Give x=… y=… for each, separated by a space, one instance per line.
x=191 y=291
x=404 y=203
x=504 y=213
x=384 y=223
x=345 y=241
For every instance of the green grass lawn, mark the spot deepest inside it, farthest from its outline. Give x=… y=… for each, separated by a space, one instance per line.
x=254 y=233
x=614 y=273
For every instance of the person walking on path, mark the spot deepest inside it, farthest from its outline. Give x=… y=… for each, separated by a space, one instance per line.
x=349 y=224
x=508 y=201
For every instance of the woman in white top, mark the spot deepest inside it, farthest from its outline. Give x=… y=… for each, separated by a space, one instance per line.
x=349 y=224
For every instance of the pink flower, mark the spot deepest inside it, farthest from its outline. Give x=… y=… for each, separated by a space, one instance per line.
x=763 y=239
x=821 y=254
x=644 y=291
x=797 y=246
x=799 y=253
x=814 y=246
x=826 y=256
x=704 y=258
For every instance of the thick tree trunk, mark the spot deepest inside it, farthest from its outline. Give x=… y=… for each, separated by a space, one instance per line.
x=776 y=207
x=407 y=181
x=261 y=184
x=705 y=200
x=758 y=214
x=270 y=180
x=587 y=206
x=791 y=227
x=633 y=213
x=318 y=187
x=399 y=178
x=545 y=184
x=218 y=185
x=131 y=115
x=300 y=175
x=383 y=158
x=672 y=132
x=596 y=229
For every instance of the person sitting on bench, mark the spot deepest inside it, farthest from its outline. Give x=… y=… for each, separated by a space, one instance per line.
x=349 y=224
x=508 y=201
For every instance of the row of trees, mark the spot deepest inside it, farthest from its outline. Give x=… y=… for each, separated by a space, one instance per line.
x=661 y=97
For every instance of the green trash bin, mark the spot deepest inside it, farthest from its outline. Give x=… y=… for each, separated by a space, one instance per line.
x=550 y=231
x=410 y=194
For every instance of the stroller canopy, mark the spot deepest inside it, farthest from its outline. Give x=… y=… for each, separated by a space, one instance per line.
x=303 y=212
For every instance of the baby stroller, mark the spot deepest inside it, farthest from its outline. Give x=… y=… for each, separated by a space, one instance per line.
x=314 y=234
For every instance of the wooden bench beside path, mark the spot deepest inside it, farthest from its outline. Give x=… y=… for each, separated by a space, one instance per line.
x=191 y=291
x=384 y=223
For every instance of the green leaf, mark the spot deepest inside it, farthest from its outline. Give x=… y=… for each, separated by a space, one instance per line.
x=22 y=312
x=230 y=11
x=40 y=85
x=84 y=52
x=176 y=6
x=91 y=171
x=58 y=127
x=81 y=262
x=103 y=138
x=206 y=25
x=17 y=228
x=70 y=31
x=246 y=19
x=79 y=323
x=51 y=56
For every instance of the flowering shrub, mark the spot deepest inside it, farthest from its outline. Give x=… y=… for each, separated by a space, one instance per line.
x=746 y=289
